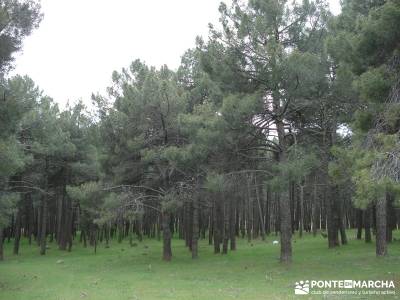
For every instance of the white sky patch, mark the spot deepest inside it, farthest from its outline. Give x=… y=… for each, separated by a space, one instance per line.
x=80 y=42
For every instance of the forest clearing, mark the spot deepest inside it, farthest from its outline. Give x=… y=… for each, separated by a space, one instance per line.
x=253 y=271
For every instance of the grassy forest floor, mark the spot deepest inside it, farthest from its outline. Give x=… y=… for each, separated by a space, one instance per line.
x=251 y=272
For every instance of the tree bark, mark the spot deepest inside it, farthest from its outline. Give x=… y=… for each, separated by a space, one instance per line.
x=285 y=228
x=130 y=233
x=43 y=227
x=226 y=231
x=232 y=223
x=249 y=207
x=17 y=233
x=391 y=218
x=260 y=212
x=195 y=227
x=341 y=220
x=332 y=217
x=284 y=200
x=315 y=209
x=1 y=244
x=167 y=252
x=43 y=222
x=216 y=227
x=367 y=224
x=359 y=216
x=381 y=244
x=95 y=240
x=301 y=224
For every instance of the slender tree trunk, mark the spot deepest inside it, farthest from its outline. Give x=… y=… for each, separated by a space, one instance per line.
x=70 y=224
x=315 y=209
x=31 y=215
x=332 y=217
x=159 y=222
x=381 y=244
x=211 y=226
x=216 y=228
x=17 y=233
x=359 y=216
x=301 y=224
x=107 y=229
x=367 y=224
x=43 y=227
x=43 y=222
x=284 y=200
x=95 y=240
x=342 y=230
x=260 y=212
x=167 y=252
x=1 y=243
x=226 y=231
x=195 y=227
x=139 y=230
x=120 y=227
x=232 y=223
x=130 y=233
x=285 y=228
x=341 y=220
x=243 y=214
x=83 y=233
x=249 y=207
x=391 y=218
x=59 y=209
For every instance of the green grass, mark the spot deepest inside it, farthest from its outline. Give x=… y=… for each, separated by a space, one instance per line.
x=124 y=272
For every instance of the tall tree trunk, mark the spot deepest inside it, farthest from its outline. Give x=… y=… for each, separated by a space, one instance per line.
x=43 y=222
x=342 y=230
x=1 y=243
x=243 y=201
x=107 y=233
x=391 y=218
x=301 y=224
x=367 y=224
x=232 y=223
x=226 y=231
x=195 y=227
x=17 y=233
x=95 y=239
x=341 y=220
x=216 y=228
x=139 y=230
x=60 y=219
x=381 y=244
x=359 y=216
x=83 y=233
x=29 y=211
x=260 y=212
x=167 y=252
x=249 y=208
x=284 y=200
x=285 y=228
x=210 y=225
x=70 y=224
x=315 y=209
x=332 y=217
x=130 y=233
x=43 y=226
